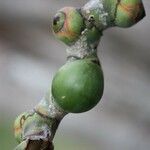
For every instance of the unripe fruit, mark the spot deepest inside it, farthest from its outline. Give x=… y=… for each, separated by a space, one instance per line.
x=129 y=12
x=68 y=25
x=30 y=124
x=18 y=125
x=78 y=86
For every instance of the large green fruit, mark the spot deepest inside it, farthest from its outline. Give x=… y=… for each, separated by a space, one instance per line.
x=78 y=86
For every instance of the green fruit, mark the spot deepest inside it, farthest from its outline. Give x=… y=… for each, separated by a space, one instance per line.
x=37 y=125
x=30 y=123
x=78 y=86
x=18 y=125
x=68 y=25
x=58 y=21
x=129 y=12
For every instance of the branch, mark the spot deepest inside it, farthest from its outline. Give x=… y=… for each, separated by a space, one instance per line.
x=35 y=145
x=72 y=90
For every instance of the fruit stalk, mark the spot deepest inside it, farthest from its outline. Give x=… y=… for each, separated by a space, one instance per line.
x=78 y=85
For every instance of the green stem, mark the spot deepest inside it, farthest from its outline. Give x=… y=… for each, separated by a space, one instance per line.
x=35 y=130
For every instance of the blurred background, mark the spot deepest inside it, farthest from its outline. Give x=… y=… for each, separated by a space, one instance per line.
x=30 y=56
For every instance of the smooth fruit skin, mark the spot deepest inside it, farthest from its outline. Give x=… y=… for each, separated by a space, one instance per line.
x=68 y=25
x=78 y=86
x=129 y=12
